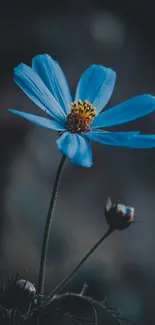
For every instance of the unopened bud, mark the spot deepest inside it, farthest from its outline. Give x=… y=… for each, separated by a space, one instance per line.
x=118 y=216
x=25 y=286
x=17 y=294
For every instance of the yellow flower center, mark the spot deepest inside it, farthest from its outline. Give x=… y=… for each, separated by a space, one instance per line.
x=82 y=114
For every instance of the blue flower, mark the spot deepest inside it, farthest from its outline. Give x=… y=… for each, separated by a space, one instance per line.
x=80 y=121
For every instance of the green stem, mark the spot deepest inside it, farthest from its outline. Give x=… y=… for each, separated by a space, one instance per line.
x=48 y=228
x=66 y=280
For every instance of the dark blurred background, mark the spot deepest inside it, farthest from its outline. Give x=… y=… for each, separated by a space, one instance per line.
x=117 y=34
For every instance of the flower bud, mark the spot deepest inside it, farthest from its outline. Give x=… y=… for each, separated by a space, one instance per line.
x=17 y=293
x=118 y=216
x=25 y=286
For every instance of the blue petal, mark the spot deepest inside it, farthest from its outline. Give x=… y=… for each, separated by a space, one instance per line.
x=53 y=77
x=96 y=85
x=127 y=111
x=41 y=121
x=128 y=209
x=76 y=147
x=111 y=138
x=142 y=141
x=35 y=89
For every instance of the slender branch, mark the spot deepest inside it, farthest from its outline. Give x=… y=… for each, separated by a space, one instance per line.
x=48 y=228
x=66 y=280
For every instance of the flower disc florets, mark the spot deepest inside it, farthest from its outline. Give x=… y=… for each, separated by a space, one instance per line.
x=82 y=114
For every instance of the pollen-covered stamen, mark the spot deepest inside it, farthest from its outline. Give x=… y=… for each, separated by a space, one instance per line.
x=82 y=114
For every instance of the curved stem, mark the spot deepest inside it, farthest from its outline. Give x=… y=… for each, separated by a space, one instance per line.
x=48 y=228
x=66 y=280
